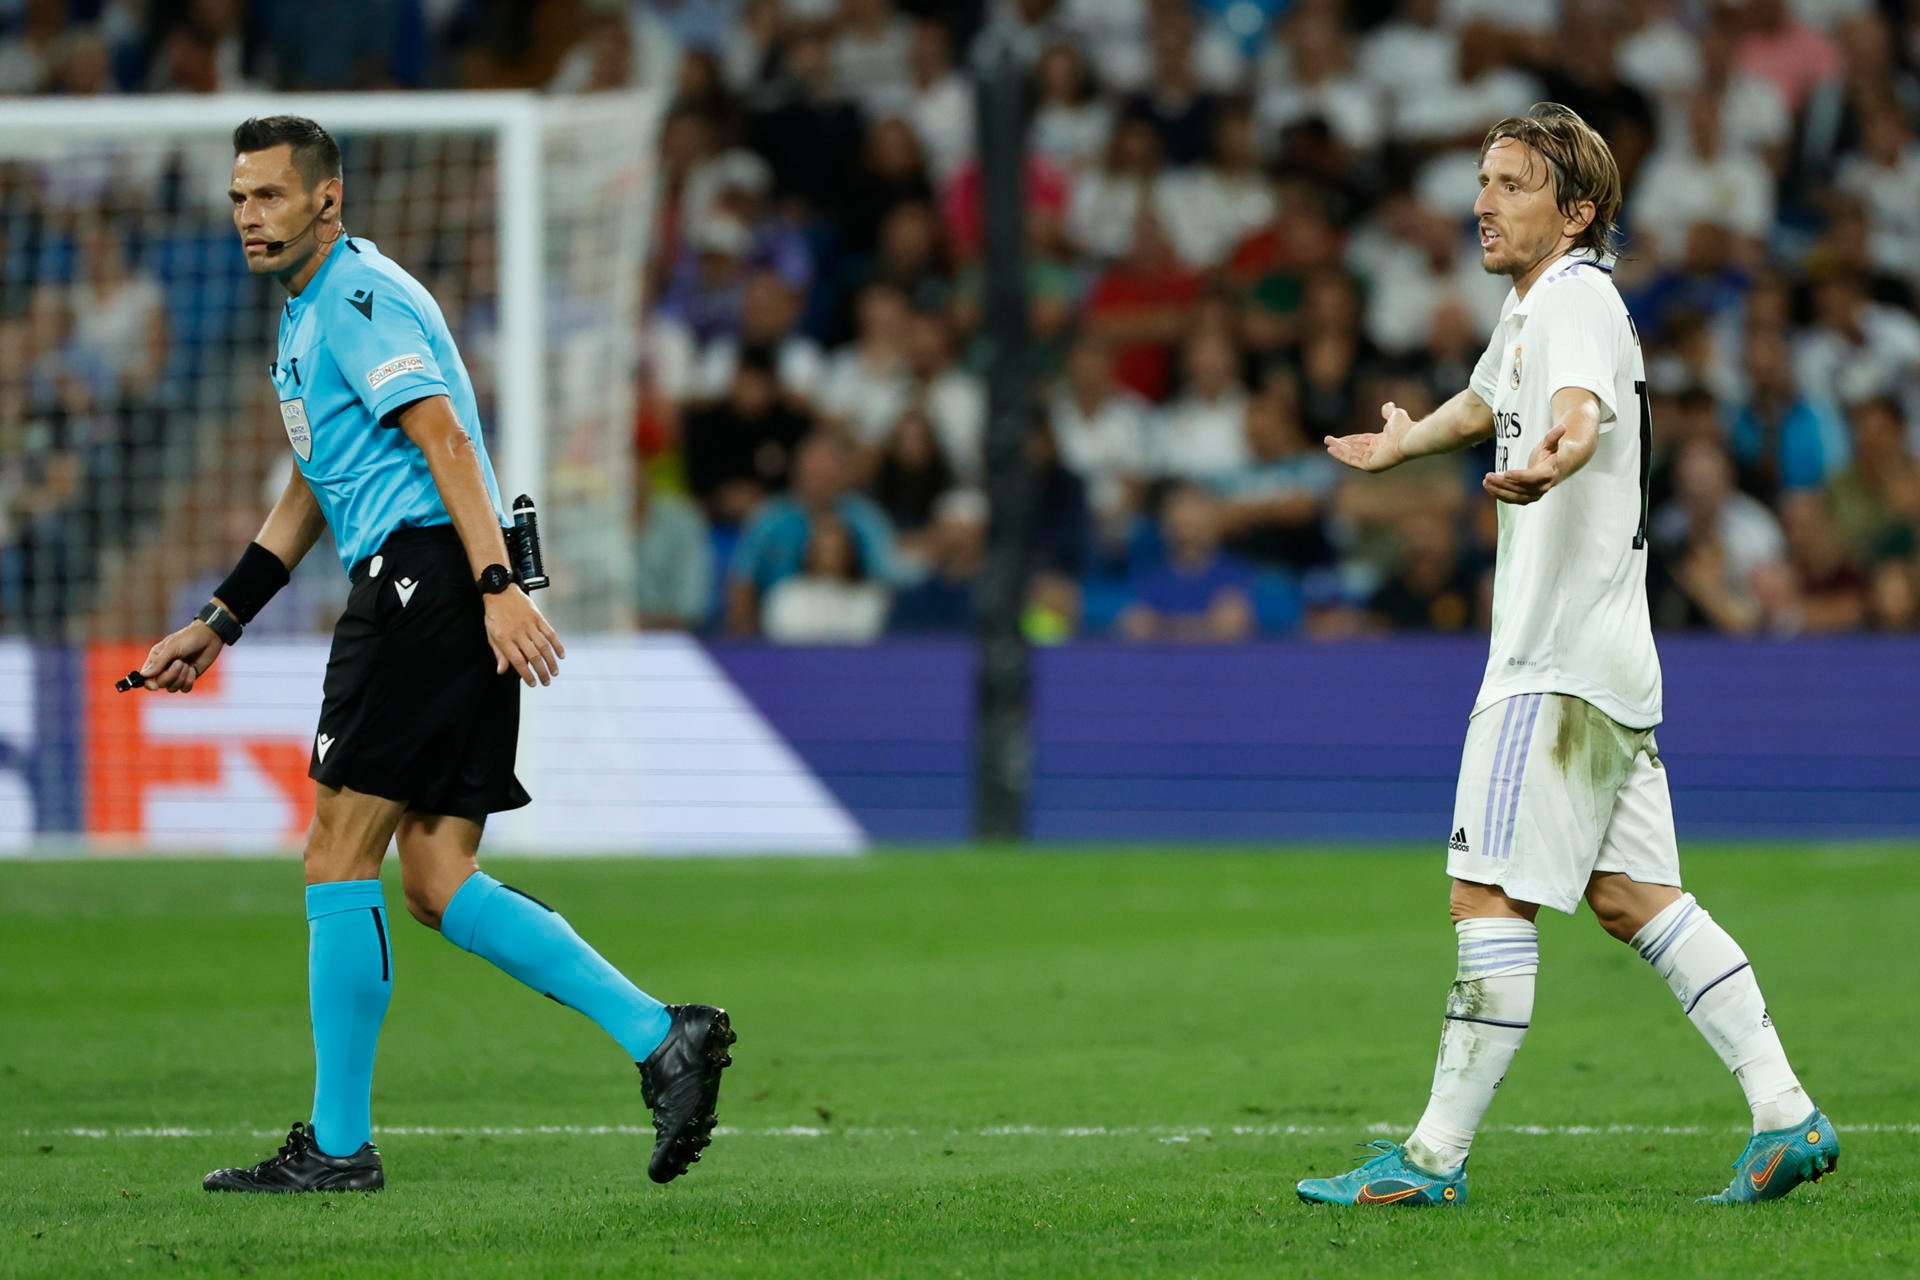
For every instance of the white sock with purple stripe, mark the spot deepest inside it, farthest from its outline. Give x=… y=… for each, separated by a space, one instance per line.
x=1714 y=983
x=1487 y=1016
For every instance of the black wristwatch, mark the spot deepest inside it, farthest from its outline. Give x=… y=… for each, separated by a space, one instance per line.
x=494 y=579
x=220 y=622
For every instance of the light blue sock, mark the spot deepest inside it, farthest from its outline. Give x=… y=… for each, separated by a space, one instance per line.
x=349 y=981
x=534 y=943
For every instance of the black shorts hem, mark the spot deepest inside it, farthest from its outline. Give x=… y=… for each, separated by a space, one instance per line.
x=474 y=808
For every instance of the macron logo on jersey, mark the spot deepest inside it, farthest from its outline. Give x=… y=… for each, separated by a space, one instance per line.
x=409 y=363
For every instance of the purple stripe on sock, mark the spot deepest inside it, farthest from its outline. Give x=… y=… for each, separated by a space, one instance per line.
x=1491 y=1022
x=1665 y=939
x=1701 y=993
x=1664 y=943
x=1502 y=953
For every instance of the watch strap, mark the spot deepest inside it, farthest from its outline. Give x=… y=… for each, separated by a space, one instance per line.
x=221 y=623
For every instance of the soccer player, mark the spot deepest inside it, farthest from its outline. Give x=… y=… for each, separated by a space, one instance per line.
x=421 y=710
x=1562 y=795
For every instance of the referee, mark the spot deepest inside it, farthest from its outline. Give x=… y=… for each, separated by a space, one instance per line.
x=421 y=715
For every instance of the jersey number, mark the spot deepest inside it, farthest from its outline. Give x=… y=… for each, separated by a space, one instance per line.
x=1646 y=464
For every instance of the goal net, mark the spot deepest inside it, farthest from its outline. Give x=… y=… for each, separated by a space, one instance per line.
x=139 y=443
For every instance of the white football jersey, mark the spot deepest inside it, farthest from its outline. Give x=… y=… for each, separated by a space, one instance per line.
x=1570 y=584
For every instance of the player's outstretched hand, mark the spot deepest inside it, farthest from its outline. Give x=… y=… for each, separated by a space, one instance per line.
x=1531 y=484
x=1378 y=450
x=183 y=657
x=522 y=638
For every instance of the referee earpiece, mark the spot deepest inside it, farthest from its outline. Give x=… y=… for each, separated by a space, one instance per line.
x=276 y=246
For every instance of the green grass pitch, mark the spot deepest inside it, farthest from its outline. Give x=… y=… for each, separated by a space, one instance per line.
x=951 y=1064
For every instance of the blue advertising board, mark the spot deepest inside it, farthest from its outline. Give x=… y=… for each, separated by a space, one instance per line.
x=1352 y=741
x=662 y=744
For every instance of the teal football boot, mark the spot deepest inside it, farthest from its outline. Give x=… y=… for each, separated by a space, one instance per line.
x=1388 y=1178
x=1777 y=1161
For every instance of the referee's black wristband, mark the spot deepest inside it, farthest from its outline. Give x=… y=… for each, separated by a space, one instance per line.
x=253 y=582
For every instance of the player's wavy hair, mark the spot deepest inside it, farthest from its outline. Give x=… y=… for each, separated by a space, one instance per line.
x=1581 y=167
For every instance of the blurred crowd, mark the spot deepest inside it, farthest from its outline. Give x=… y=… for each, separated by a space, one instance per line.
x=1247 y=225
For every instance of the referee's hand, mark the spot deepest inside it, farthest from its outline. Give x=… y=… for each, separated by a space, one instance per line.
x=521 y=638
x=183 y=657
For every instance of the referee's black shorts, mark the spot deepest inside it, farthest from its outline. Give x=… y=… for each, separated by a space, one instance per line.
x=413 y=710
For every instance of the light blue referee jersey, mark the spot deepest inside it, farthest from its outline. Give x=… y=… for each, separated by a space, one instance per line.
x=362 y=340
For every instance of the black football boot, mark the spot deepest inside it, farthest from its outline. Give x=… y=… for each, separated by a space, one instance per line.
x=303 y=1166
x=680 y=1081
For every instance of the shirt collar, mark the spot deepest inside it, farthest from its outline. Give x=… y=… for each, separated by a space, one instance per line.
x=1572 y=261
x=298 y=302
x=1515 y=305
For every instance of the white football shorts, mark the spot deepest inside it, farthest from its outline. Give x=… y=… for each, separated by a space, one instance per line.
x=1552 y=790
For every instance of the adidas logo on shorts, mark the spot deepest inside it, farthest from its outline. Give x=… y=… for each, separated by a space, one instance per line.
x=1459 y=842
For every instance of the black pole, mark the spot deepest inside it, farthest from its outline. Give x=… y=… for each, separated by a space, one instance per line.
x=1003 y=765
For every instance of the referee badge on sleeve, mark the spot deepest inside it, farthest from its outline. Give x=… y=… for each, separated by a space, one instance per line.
x=294 y=414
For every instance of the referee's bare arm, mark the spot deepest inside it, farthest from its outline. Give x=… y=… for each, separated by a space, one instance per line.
x=520 y=637
x=1464 y=420
x=290 y=530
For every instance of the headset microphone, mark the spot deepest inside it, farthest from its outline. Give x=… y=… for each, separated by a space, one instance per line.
x=275 y=246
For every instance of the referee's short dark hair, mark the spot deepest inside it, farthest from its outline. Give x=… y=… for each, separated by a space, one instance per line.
x=315 y=154
x=1580 y=166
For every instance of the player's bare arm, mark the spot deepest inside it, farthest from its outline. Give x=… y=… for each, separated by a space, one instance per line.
x=1463 y=420
x=520 y=636
x=289 y=532
x=1567 y=447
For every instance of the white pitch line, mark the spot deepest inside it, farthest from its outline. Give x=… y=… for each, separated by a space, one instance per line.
x=1162 y=1133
